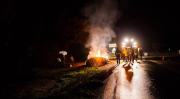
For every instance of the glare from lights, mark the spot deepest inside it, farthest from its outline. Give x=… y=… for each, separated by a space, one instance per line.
x=123 y=43
x=134 y=43
x=132 y=40
x=126 y=40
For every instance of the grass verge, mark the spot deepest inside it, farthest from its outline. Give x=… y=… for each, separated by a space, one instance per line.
x=79 y=84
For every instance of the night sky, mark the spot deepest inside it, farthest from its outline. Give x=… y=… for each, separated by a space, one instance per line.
x=155 y=20
x=146 y=20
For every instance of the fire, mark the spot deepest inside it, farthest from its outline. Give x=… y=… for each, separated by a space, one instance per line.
x=98 y=53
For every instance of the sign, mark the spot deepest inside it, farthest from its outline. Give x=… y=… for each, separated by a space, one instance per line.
x=112 y=45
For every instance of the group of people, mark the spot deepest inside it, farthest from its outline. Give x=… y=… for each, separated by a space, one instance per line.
x=128 y=54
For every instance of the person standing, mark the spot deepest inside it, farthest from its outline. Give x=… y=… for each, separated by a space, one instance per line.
x=118 y=53
x=126 y=54
x=130 y=55
x=123 y=55
x=61 y=56
x=141 y=53
x=135 y=54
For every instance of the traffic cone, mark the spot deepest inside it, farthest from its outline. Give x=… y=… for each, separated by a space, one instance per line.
x=163 y=58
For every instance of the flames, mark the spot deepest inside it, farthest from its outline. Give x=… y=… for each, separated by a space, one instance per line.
x=98 y=53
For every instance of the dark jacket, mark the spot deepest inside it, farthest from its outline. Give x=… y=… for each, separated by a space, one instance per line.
x=61 y=56
x=141 y=52
x=118 y=52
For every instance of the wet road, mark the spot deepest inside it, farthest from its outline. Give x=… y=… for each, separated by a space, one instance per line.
x=151 y=79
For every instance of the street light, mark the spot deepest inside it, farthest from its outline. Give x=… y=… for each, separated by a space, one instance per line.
x=132 y=40
x=126 y=40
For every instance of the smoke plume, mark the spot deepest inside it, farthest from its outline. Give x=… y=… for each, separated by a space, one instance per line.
x=102 y=16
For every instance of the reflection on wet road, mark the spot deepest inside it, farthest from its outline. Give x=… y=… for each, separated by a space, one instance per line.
x=128 y=83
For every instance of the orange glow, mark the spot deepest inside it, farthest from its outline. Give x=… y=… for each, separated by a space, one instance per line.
x=104 y=55
x=98 y=54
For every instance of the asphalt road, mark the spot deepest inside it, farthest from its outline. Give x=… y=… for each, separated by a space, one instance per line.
x=152 y=79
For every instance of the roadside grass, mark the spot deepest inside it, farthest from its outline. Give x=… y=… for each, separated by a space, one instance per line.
x=82 y=90
x=52 y=73
x=49 y=74
x=87 y=85
x=79 y=84
x=85 y=90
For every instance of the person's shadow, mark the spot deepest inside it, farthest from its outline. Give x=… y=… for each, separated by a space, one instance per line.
x=129 y=74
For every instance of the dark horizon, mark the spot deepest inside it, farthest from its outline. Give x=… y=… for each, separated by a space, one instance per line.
x=150 y=18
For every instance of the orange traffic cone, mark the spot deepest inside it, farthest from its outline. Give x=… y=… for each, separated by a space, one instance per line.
x=163 y=58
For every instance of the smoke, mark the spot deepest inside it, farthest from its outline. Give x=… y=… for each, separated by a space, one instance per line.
x=102 y=16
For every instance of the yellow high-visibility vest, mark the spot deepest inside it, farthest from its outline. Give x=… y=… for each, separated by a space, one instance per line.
x=130 y=51
x=126 y=52
x=135 y=52
x=123 y=51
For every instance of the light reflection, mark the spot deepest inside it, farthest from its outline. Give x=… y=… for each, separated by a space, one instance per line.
x=128 y=84
x=134 y=83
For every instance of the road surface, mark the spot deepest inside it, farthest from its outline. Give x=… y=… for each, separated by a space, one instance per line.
x=152 y=79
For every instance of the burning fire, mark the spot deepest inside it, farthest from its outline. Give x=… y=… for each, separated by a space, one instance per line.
x=98 y=53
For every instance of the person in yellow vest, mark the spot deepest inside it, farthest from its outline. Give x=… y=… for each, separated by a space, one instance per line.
x=126 y=54
x=122 y=55
x=135 y=54
x=130 y=54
